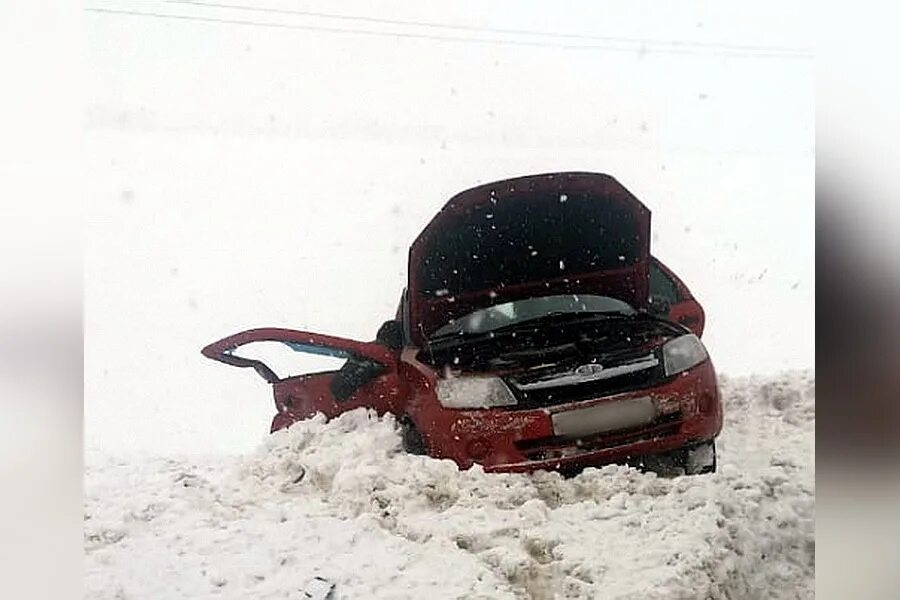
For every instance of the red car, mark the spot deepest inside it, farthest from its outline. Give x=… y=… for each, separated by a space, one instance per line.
x=536 y=332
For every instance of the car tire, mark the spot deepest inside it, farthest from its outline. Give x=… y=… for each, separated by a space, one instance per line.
x=693 y=460
x=700 y=459
x=410 y=437
x=665 y=464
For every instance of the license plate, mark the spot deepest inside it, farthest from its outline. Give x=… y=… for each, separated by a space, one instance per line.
x=608 y=416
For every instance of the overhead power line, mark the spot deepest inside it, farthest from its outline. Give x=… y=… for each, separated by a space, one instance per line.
x=444 y=38
x=477 y=29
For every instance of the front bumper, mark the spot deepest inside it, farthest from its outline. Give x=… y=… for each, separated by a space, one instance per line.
x=503 y=440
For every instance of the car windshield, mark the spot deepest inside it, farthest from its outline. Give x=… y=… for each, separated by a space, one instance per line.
x=519 y=311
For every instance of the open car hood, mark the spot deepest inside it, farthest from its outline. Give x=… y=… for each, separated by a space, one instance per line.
x=539 y=235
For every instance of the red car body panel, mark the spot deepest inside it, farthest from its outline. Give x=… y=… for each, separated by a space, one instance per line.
x=299 y=398
x=517 y=438
x=685 y=310
x=628 y=283
x=303 y=396
x=523 y=440
x=222 y=349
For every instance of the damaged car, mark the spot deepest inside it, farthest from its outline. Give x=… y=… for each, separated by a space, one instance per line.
x=536 y=331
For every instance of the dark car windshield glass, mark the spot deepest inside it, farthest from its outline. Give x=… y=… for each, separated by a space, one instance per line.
x=510 y=313
x=530 y=237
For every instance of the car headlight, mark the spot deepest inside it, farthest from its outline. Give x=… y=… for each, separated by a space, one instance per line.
x=474 y=392
x=682 y=353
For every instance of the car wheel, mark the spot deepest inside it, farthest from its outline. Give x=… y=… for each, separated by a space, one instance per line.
x=410 y=437
x=694 y=460
x=666 y=464
x=700 y=459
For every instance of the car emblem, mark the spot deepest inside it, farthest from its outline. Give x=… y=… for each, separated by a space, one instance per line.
x=589 y=369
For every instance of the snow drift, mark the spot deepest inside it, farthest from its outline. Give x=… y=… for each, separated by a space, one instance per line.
x=384 y=524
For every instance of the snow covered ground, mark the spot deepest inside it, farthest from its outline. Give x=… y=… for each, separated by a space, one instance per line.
x=383 y=524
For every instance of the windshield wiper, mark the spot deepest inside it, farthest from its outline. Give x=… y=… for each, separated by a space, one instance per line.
x=511 y=329
x=568 y=316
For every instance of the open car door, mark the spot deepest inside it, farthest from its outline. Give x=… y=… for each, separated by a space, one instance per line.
x=681 y=307
x=366 y=375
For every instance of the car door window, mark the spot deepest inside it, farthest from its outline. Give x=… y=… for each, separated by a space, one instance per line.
x=288 y=359
x=662 y=285
x=307 y=353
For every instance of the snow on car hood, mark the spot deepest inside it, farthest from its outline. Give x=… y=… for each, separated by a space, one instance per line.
x=540 y=235
x=383 y=524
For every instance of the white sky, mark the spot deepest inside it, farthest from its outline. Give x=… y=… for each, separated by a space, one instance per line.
x=244 y=176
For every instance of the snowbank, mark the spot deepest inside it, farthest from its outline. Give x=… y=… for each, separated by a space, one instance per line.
x=383 y=524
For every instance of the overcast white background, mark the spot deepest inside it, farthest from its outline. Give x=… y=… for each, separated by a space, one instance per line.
x=245 y=176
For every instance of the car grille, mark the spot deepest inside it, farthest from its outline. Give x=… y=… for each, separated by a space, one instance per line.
x=633 y=371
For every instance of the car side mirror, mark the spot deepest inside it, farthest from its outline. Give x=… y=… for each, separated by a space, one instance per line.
x=390 y=335
x=352 y=376
x=659 y=305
